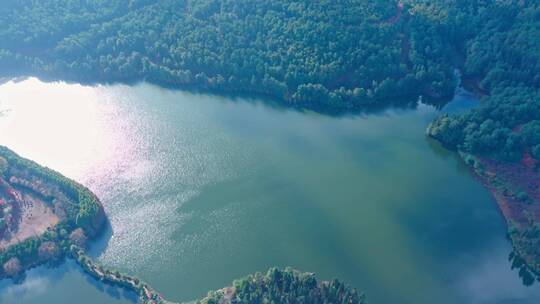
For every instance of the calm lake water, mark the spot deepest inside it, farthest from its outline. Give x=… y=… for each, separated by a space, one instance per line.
x=201 y=190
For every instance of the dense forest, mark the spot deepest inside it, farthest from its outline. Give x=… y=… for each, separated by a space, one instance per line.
x=503 y=55
x=335 y=55
x=287 y=287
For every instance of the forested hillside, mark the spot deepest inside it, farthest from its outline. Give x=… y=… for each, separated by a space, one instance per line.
x=313 y=54
x=503 y=55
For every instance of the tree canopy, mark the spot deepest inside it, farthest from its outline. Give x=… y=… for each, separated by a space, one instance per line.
x=287 y=287
x=503 y=54
x=328 y=54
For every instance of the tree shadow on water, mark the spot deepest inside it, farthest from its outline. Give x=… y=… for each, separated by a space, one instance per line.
x=438 y=149
x=527 y=276
x=100 y=243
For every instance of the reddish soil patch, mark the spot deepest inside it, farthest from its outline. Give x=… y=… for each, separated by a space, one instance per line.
x=516 y=188
x=36 y=216
x=399 y=12
x=507 y=180
x=528 y=161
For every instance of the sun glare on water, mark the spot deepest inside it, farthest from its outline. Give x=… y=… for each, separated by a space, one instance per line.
x=57 y=125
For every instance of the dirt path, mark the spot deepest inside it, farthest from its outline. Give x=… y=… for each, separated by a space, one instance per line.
x=397 y=17
x=36 y=217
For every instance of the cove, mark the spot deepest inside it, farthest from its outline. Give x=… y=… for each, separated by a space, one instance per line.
x=201 y=190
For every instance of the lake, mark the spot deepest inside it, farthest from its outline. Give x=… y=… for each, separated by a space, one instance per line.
x=201 y=190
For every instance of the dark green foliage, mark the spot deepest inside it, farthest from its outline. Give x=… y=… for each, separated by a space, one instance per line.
x=503 y=52
x=27 y=251
x=3 y=166
x=522 y=196
x=88 y=211
x=526 y=255
x=287 y=287
x=86 y=205
x=70 y=188
x=82 y=212
x=530 y=133
x=447 y=130
x=315 y=54
x=505 y=125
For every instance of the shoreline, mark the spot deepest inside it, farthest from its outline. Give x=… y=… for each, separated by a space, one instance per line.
x=516 y=213
x=367 y=106
x=78 y=215
x=146 y=294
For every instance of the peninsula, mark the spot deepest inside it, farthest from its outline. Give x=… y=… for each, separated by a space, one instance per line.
x=42 y=214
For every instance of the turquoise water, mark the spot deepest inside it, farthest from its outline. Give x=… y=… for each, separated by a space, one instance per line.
x=201 y=190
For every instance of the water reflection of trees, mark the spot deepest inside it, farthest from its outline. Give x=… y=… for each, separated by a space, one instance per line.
x=527 y=276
